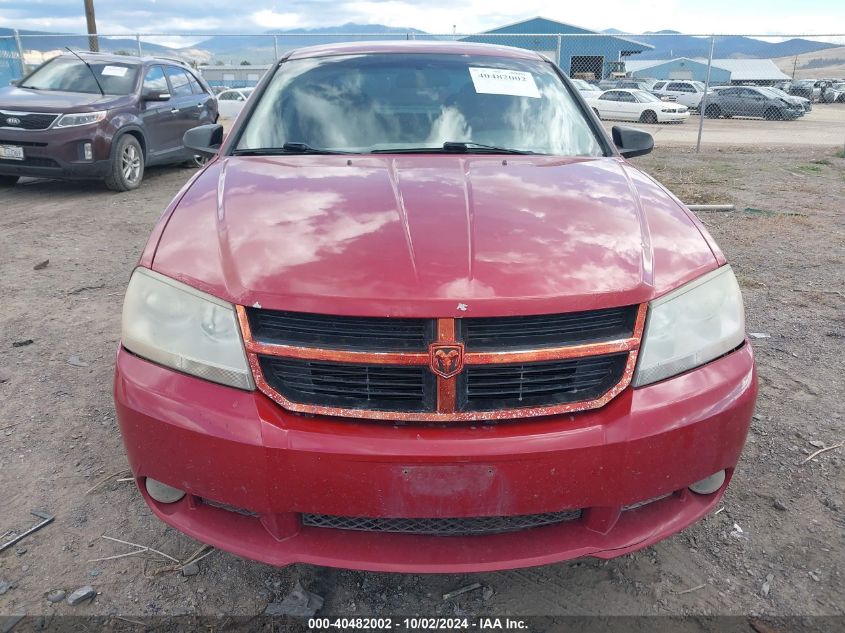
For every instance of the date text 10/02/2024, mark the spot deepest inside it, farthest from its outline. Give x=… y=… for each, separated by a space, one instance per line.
x=419 y=624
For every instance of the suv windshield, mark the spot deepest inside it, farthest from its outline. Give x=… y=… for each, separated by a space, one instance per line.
x=69 y=74
x=405 y=102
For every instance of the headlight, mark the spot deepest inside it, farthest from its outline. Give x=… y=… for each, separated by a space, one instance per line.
x=691 y=326
x=175 y=325
x=83 y=118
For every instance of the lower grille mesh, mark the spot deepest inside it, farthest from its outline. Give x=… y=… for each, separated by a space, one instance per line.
x=458 y=526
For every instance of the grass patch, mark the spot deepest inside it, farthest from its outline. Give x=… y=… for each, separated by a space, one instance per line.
x=840 y=153
x=812 y=168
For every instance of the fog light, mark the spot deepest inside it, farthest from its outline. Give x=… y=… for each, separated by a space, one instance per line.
x=710 y=484
x=88 y=151
x=162 y=492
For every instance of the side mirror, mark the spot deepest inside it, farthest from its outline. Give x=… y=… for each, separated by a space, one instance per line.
x=155 y=95
x=15 y=82
x=632 y=142
x=204 y=139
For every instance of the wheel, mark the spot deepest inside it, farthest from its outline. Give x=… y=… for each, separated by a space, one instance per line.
x=648 y=117
x=196 y=162
x=127 y=165
x=597 y=112
x=713 y=111
x=773 y=114
x=8 y=181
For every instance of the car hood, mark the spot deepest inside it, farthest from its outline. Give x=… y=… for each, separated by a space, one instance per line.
x=417 y=235
x=28 y=100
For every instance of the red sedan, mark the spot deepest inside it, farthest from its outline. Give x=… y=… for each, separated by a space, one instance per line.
x=419 y=313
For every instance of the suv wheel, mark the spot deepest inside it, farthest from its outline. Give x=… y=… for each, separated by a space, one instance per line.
x=127 y=165
x=8 y=181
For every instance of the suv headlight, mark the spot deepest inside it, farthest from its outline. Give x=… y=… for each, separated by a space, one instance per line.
x=172 y=324
x=690 y=326
x=83 y=118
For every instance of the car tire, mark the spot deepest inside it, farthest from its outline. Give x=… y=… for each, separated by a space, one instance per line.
x=649 y=116
x=8 y=181
x=127 y=165
x=198 y=161
x=713 y=112
x=773 y=114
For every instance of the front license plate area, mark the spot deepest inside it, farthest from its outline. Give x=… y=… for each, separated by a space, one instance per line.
x=11 y=152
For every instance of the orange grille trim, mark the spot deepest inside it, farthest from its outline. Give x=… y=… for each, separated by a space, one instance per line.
x=446 y=387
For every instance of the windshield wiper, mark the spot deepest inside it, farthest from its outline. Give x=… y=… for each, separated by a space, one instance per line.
x=471 y=147
x=88 y=66
x=454 y=147
x=287 y=148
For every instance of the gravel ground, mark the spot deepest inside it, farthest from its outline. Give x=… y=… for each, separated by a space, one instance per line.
x=59 y=439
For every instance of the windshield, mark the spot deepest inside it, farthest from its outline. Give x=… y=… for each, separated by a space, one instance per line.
x=69 y=74
x=384 y=102
x=645 y=97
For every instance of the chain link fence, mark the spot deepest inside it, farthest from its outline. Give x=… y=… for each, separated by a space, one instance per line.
x=690 y=90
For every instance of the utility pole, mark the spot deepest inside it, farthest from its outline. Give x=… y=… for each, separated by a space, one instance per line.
x=91 y=21
x=794 y=66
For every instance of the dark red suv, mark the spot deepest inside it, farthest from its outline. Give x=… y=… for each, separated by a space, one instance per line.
x=100 y=116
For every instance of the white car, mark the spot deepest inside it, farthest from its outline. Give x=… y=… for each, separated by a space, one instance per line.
x=685 y=92
x=636 y=105
x=230 y=102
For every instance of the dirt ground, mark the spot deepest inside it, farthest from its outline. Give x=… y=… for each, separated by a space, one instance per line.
x=59 y=439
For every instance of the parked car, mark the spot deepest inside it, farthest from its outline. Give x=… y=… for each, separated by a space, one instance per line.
x=398 y=323
x=635 y=83
x=748 y=101
x=829 y=92
x=798 y=102
x=840 y=89
x=637 y=105
x=231 y=102
x=101 y=117
x=806 y=88
x=686 y=93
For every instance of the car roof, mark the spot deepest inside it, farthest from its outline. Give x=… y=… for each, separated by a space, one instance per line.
x=414 y=46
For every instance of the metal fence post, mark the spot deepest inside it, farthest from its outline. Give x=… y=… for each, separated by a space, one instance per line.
x=557 y=49
x=275 y=49
x=138 y=42
x=20 y=52
x=702 y=105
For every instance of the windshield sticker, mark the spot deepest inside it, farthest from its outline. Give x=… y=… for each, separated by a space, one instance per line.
x=495 y=81
x=114 y=71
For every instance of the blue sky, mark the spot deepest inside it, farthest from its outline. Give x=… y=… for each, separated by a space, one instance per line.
x=436 y=16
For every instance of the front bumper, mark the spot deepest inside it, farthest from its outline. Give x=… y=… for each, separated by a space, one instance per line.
x=238 y=448
x=57 y=153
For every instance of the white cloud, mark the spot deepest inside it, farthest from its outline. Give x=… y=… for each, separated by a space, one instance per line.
x=270 y=19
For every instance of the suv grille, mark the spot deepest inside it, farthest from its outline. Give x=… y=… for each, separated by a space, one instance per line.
x=28 y=121
x=441 y=527
x=442 y=370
